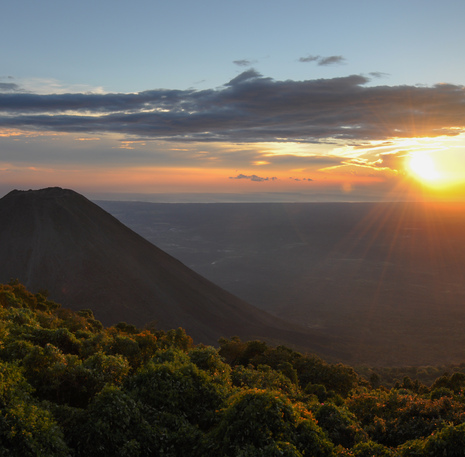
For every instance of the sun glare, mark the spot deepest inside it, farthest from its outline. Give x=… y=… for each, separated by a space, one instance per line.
x=441 y=168
x=424 y=167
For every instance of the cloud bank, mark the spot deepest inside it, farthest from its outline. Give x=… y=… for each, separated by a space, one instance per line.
x=249 y=108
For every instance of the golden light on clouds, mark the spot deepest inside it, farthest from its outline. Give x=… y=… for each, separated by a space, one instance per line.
x=432 y=167
x=261 y=162
x=19 y=133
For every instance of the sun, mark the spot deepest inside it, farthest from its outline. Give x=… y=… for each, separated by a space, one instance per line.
x=423 y=167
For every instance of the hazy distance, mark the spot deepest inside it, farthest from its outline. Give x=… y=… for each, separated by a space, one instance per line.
x=387 y=277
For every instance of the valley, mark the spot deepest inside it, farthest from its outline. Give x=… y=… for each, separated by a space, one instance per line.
x=388 y=279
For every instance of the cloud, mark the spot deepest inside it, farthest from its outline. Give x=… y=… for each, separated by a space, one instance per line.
x=250 y=108
x=246 y=76
x=309 y=59
x=305 y=160
x=244 y=62
x=253 y=178
x=300 y=179
x=45 y=86
x=331 y=60
x=378 y=74
x=10 y=87
x=394 y=161
x=323 y=61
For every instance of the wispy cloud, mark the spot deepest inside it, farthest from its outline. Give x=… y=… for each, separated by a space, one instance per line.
x=250 y=108
x=10 y=87
x=254 y=178
x=45 y=86
x=309 y=58
x=378 y=74
x=323 y=61
x=394 y=161
x=331 y=60
x=244 y=62
x=300 y=179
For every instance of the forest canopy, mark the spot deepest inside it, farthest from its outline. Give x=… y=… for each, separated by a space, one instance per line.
x=70 y=387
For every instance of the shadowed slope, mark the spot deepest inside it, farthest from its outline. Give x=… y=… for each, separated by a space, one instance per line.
x=58 y=240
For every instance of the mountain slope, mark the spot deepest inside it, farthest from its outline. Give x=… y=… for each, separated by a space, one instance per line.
x=58 y=240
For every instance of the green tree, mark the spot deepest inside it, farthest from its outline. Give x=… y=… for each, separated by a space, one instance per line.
x=207 y=358
x=112 y=426
x=259 y=419
x=26 y=429
x=180 y=389
x=340 y=425
x=371 y=449
x=263 y=377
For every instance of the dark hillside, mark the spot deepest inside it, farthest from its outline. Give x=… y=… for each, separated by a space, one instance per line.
x=58 y=240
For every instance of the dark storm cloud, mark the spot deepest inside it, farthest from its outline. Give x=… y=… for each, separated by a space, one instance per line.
x=251 y=108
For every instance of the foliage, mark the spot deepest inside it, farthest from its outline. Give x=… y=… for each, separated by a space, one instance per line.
x=261 y=419
x=263 y=377
x=299 y=369
x=70 y=387
x=399 y=416
x=112 y=425
x=340 y=425
x=26 y=429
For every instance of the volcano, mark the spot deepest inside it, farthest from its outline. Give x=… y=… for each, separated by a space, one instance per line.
x=58 y=240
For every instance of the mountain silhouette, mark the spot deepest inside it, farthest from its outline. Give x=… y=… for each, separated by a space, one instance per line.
x=56 y=239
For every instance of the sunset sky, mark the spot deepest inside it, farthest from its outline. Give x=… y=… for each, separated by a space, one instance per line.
x=234 y=101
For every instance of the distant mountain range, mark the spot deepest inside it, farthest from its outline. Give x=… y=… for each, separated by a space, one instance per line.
x=56 y=239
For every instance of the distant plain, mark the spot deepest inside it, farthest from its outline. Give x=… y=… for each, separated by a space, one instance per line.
x=387 y=278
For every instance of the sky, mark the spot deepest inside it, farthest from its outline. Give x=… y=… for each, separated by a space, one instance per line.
x=234 y=101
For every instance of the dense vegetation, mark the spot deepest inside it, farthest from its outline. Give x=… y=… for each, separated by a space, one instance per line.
x=69 y=387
